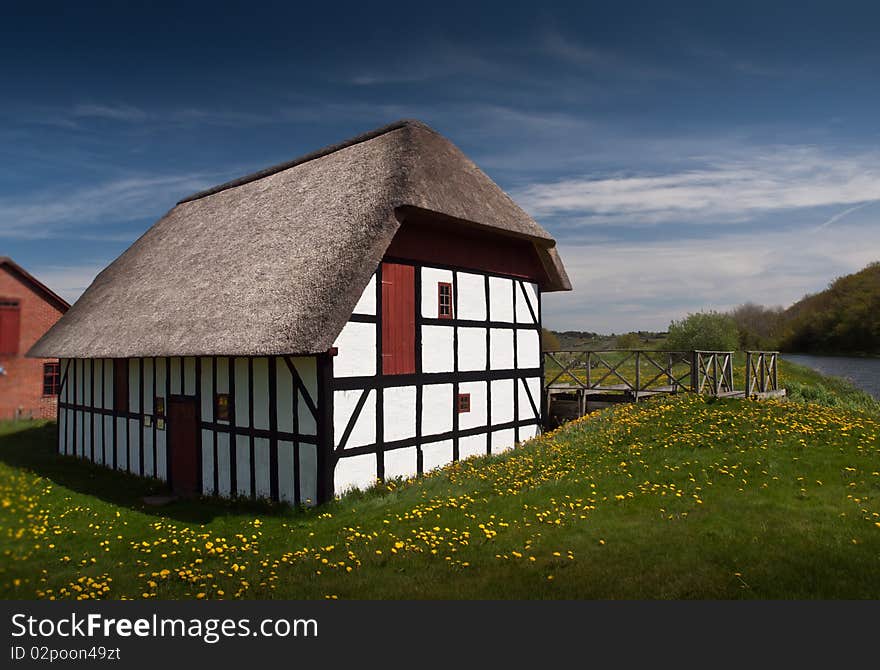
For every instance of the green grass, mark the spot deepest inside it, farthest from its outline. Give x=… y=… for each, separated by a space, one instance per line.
x=674 y=498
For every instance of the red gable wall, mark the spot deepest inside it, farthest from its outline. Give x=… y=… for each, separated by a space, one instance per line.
x=21 y=388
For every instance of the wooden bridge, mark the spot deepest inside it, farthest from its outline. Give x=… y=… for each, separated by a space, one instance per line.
x=577 y=381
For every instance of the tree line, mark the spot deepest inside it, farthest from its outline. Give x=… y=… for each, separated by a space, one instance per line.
x=843 y=319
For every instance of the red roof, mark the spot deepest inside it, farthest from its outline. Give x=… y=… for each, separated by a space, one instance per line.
x=38 y=286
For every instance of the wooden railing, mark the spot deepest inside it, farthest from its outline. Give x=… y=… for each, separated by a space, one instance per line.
x=762 y=374
x=713 y=372
x=633 y=372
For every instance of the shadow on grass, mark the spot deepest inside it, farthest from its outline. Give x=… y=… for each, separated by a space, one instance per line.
x=31 y=446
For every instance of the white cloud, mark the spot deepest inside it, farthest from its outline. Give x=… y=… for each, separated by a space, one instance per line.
x=68 y=281
x=112 y=111
x=48 y=214
x=726 y=190
x=634 y=286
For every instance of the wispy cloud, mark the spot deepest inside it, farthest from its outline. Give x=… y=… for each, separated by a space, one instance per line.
x=50 y=214
x=126 y=113
x=720 y=191
x=597 y=60
x=69 y=281
x=630 y=286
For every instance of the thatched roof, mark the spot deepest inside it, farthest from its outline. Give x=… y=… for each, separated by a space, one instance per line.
x=274 y=262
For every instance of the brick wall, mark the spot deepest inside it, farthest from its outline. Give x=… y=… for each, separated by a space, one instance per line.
x=21 y=388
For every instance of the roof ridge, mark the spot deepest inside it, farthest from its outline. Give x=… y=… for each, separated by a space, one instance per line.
x=320 y=153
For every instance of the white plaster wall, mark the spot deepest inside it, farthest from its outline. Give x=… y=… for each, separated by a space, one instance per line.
x=286 y=473
x=148 y=386
x=356 y=346
x=62 y=369
x=308 y=469
x=525 y=408
x=501 y=349
x=401 y=463
x=366 y=304
x=121 y=444
x=261 y=393
x=108 y=384
x=430 y=278
x=222 y=375
x=87 y=382
x=364 y=431
x=206 y=392
x=399 y=413
x=243 y=465
x=502 y=401
x=354 y=472
x=527 y=433
x=149 y=465
x=62 y=429
x=174 y=372
x=98 y=436
x=71 y=447
x=472 y=349
x=189 y=375
x=500 y=299
x=207 y=462
x=108 y=442
x=283 y=397
x=307 y=368
x=437 y=409
x=471 y=296
x=98 y=377
x=87 y=434
x=437 y=349
x=224 y=469
x=502 y=440
x=477 y=416
x=134 y=453
x=161 y=374
x=242 y=402
x=528 y=349
x=523 y=302
x=80 y=380
x=261 y=468
x=472 y=445
x=436 y=455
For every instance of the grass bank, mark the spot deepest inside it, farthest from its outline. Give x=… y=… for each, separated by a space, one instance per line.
x=678 y=498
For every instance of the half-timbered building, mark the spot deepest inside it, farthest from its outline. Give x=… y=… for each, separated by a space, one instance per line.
x=368 y=311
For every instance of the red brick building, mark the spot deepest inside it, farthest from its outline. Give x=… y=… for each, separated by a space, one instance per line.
x=28 y=308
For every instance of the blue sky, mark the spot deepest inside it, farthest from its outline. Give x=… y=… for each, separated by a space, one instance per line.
x=685 y=156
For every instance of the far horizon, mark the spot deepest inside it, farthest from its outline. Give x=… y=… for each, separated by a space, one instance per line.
x=686 y=159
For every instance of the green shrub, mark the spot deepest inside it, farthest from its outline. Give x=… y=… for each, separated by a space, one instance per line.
x=707 y=331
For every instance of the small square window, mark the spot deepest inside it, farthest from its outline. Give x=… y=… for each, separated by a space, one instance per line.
x=464 y=403
x=221 y=407
x=444 y=300
x=160 y=406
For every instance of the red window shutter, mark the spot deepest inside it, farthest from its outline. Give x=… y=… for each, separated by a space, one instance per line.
x=398 y=319
x=10 y=328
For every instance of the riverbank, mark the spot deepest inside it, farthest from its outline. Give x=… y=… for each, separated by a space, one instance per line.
x=808 y=384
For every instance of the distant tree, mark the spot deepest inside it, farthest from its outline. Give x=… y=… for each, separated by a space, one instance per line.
x=709 y=331
x=758 y=326
x=629 y=341
x=549 y=340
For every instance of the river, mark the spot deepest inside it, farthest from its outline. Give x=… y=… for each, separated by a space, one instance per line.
x=861 y=372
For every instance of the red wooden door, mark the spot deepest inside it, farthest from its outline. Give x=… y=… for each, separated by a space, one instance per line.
x=398 y=319
x=183 y=442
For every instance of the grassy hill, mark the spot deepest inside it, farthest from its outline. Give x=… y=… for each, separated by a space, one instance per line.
x=679 y=498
